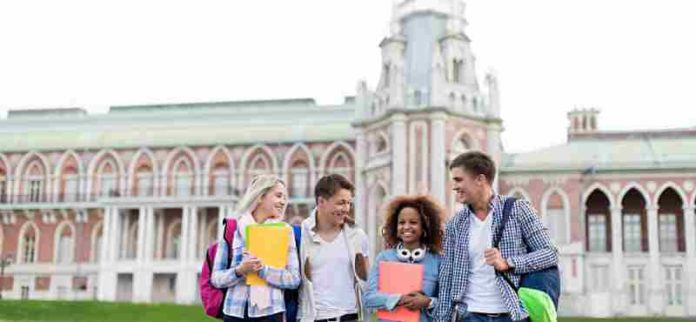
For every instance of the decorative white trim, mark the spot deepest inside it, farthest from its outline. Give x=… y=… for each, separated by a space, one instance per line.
x=566 y=208
x=289 y=158
x=20 y=243
x=246 y=161
x=22 y=167
x=424 y=162
x=97 y=162
x=170 y=162
x=521 y=191
x=330 y=150
x=598 y=186
x=207 y=170
x=640 y=189
x=675 y=187
x=132 y=175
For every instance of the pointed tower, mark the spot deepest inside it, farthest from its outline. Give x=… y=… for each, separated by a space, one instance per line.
x=427 y=108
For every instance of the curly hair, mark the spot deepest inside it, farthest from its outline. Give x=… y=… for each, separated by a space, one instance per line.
x=431 y=215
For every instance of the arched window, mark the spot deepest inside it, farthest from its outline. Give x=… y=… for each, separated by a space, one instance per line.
x=173 y=250
x=97 y=240
x=108 y=180
x=183 y=179
x=28 y=244
x=65 y=245
x=34 y=183
x=671 y=222
x=299 y=180
x=144 y=181
x=457 y=70
x=598 y=229
x=634 y=222
x=555 y=219
x=259 y=165
x=69 y=184
x=340 y=165
x=221 y=181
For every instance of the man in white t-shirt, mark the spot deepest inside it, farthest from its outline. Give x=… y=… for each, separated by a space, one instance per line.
x=333 y=256
x=471 y=285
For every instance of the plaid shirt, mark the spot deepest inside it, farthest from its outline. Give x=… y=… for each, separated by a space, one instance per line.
x=525 y=244
x=238 y=291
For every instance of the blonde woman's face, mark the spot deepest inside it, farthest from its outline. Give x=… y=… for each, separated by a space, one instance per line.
x=274 y=202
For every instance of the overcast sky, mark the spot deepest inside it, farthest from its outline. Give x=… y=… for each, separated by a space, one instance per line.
x=635 y=60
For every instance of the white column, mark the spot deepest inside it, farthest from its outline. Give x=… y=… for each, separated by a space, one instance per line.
x=142 y=228
x=619 y=298
x=116 y=233
x=193 y=234
x=656 y=292
x=106 y=289
x=690 y=269
x=142 y=274
x=361 y=193
x=185 y=224
x=186 y=277
x=149 y=234
x=437 y=156
x=399 y=157
x=106 y=235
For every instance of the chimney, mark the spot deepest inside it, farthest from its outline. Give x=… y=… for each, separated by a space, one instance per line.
x=582 y=121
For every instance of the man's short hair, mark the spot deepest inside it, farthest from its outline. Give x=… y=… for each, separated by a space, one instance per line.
x=476 y=163
x=330 y=184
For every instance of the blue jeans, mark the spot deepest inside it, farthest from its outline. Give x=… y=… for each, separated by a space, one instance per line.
x=474 y=317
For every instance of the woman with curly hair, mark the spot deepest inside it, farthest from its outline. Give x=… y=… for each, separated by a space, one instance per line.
x=412 y=234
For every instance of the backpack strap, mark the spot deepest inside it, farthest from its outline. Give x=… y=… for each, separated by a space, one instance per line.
x=229 y=225
x=507 y=213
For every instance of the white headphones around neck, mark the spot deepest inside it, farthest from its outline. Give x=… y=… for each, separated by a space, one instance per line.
x=410 y=256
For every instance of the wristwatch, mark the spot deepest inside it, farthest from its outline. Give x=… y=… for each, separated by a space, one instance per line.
x=431 y=305
x=511 y=265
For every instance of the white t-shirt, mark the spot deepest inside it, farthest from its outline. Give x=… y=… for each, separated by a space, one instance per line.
x=482 y=293
x=332 y=278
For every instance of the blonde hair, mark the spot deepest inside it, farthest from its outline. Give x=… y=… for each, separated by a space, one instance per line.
x=259 y=187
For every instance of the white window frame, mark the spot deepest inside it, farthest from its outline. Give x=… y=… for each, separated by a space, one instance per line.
x=221 y=182
x=597 y=237
x=71 y=187
x=674 y=287
x=668 y=230
x=144 y=183
x=300 y=181
x=636 y=285
x=632 y=233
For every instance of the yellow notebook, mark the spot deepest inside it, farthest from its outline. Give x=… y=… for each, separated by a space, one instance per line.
x=269 y=242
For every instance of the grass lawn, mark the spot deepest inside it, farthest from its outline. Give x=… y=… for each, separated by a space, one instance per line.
x=58 y=311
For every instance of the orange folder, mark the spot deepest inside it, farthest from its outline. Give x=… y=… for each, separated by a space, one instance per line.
x=269 y=242
x=399 y=278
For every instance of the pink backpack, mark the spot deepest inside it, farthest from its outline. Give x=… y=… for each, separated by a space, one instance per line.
x=213 y=298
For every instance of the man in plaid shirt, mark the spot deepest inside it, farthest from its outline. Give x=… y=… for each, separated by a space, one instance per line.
x=469 y=288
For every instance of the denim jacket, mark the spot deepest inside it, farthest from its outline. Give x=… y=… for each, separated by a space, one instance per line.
x=376 y=300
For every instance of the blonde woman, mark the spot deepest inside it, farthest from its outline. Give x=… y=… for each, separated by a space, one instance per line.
x=264 y=201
